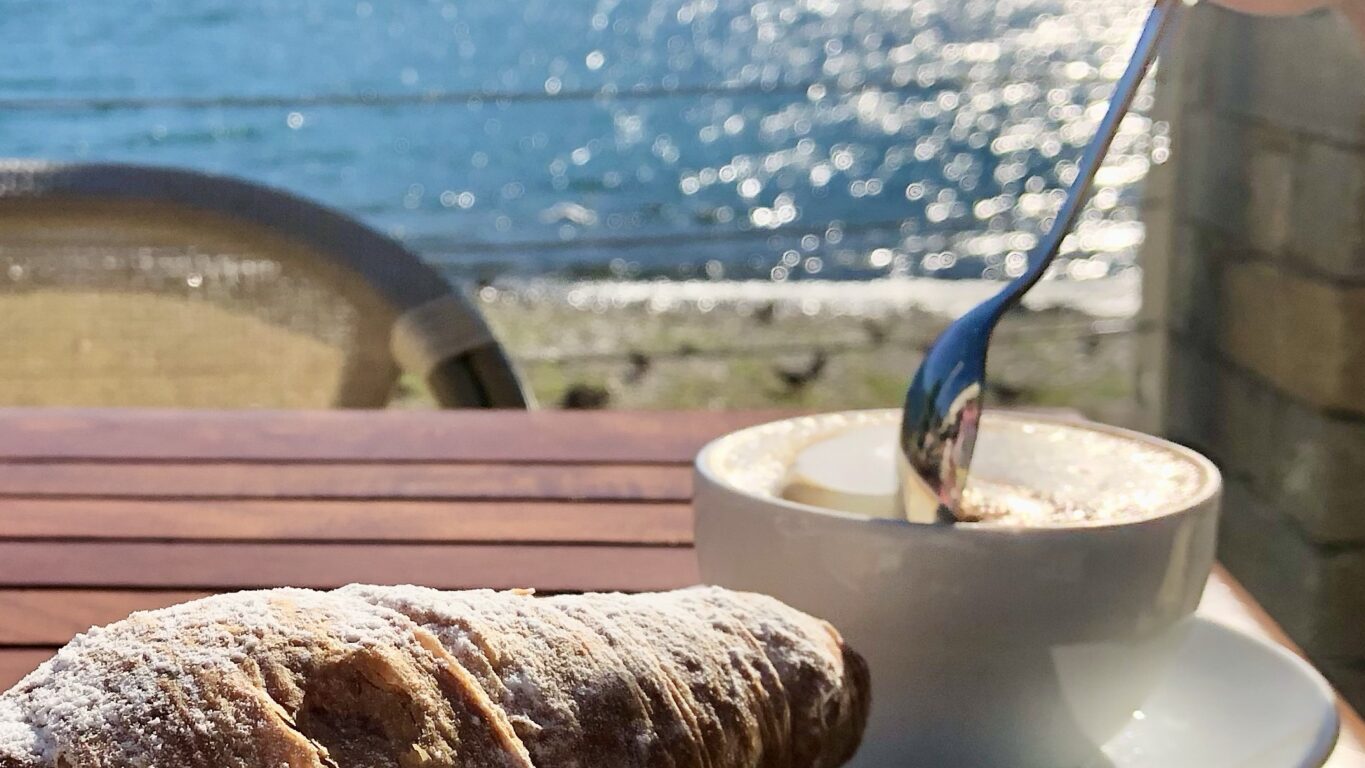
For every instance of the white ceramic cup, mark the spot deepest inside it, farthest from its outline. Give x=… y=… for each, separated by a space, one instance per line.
x=988 y=646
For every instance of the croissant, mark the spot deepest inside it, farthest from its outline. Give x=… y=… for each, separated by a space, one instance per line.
x=379 y=677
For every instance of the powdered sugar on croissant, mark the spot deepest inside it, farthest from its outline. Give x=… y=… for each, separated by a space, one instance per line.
x=372 y=677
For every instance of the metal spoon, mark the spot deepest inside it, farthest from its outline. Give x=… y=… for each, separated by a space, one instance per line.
x=943 y=405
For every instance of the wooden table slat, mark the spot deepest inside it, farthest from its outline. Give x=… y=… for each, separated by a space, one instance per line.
x=348 y=480
x=51 y=617
x=393 y=436
x=349 y=520
x=193 y=565
x=17 y=662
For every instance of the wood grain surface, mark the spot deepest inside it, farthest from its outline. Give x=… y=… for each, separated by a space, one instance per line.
x=106 y=512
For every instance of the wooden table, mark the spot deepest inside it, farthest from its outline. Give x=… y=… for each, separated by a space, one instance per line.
x=105 y=512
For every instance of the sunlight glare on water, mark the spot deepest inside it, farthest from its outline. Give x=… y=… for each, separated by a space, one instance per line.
x=626 y=138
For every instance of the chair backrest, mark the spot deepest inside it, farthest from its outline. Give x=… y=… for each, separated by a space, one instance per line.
x=128 y=285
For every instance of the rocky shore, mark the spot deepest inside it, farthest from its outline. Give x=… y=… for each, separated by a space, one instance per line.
x=810 y=346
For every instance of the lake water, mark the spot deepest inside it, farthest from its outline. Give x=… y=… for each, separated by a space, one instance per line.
x=780 y=139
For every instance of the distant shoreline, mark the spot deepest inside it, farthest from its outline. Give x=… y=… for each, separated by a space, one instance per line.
x=808 y=344
x=1116 y=297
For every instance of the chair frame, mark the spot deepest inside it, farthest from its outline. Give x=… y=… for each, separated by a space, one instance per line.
x=481 y=376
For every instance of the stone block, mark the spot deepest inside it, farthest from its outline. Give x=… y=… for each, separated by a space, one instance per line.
x=1307 y=464
x=1301 y=334
x=1340 y=630
x=1317 y=594
x=1305 y=74
x=1191 y=397
x=1271 y=559
x=1214 y=44
x=1328 y=212
x=1238 y=179
x=1194 y=295
x=1199 y=40
x=1271 y=158
x=1347 y=676
x=1319 y=473
x=1213 y=158
x=1247 y=411
x=1249 y=317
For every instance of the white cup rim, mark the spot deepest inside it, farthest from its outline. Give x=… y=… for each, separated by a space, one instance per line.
x=1209 y=487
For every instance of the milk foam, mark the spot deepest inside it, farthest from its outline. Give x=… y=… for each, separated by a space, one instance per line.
x=1048 y=473
x=1025 y=472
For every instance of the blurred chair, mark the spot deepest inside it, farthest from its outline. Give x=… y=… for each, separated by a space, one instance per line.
x=134 y=286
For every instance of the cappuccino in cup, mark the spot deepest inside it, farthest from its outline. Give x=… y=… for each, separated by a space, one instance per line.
x=1025 y=638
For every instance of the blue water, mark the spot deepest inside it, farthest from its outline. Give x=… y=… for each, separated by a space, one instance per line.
x=724 y=138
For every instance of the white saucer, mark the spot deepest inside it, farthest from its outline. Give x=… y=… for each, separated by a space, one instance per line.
x=1231 y=701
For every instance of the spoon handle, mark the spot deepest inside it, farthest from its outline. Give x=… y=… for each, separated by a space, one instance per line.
x=943 y=403
x=1144 y=54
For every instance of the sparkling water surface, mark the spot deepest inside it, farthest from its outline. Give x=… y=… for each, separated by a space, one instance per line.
x=780 y=139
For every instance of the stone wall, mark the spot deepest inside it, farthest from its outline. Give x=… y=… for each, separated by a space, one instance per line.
x=1255 y=284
